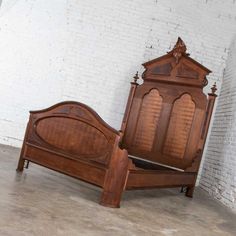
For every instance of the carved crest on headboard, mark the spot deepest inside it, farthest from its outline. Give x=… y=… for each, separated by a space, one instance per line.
x=179 y=49
x=176 y=67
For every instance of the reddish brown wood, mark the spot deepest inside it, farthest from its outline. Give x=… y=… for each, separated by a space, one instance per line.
x=139 y=179
x=129 y=102
x=147 y=121
x=71 y=138
x=162 y=135
x=115 y=179
x=180 y=121
x=167 y=127
x=179 y=126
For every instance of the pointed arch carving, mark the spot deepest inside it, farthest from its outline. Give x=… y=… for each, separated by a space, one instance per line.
x=149 y=114
x=179 y=126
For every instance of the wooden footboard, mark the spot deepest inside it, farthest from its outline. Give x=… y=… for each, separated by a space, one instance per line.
x=71 y=138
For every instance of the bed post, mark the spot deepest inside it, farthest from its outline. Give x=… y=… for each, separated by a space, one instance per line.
x=209 y=110
x=133 y=87
x=21 y=161
x=115 y=178
x=210 y=105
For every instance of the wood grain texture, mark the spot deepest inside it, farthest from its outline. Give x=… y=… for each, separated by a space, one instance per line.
x=72 y=139
x=148 y=119
x=73 y=136
x=179 y=126
x=163 y=131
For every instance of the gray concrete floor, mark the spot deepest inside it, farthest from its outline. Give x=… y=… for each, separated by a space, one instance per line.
x=43 y=202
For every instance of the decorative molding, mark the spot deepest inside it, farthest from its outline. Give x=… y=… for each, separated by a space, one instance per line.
x=164 y=69
x=179 y=50
x=187 y=72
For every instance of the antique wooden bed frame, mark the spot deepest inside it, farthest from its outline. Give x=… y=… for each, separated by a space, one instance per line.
x=160 y=143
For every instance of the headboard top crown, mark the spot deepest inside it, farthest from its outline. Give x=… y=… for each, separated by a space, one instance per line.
x=179 y=49
x=176 y=66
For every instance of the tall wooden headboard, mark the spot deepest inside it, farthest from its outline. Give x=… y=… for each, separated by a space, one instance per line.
x=166 y=116
x=166 y=122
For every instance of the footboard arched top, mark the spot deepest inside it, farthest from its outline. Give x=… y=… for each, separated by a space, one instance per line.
x=72 y=109
x=72 y=129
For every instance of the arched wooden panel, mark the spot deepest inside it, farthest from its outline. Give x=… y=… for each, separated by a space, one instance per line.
x=147 y=122
x=179 y=126
x=72 y=136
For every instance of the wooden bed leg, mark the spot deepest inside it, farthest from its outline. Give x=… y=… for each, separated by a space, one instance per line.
x=111 y=199
x=189 y=191
x=115 y=179
x=21 y=164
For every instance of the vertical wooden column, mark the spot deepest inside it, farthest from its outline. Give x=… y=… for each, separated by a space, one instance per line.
x=210 y=106
x=133 y=87
x=209 y=110
x=115 y=178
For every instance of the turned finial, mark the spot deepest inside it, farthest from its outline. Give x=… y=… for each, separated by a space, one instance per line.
x=136 y=77
x=213 y=89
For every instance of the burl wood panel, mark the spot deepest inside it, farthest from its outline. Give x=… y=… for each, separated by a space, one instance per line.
x=148 y=119
x=73 y=136
x=179 y=126
x=187 y=72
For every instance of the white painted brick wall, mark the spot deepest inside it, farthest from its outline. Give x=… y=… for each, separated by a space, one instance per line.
x=89 y=50
x=218 y=175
